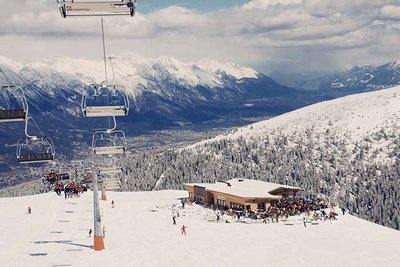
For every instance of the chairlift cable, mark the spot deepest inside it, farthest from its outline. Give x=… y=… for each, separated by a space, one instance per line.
x=37 y=126
x=112 y=70
x=8 y=80
x=109 y=118
x=104 y=50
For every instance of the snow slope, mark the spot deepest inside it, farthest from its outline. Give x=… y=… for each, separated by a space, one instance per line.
x=352 y=118
x=140 y=233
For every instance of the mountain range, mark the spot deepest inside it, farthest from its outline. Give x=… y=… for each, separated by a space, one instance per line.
x=355 y=80
x=165 y=93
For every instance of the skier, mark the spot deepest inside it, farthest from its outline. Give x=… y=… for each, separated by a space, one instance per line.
x=323 y=213
x=90 y=232
x=104 y=232
x=183 y=203
x=29 y=210
x=65 y=191
x=183 y=229
x=343 y=210
x=112 y=204
x=173 y=220
x=304 y=222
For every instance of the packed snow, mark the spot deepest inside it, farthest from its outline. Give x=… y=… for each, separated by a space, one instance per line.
x=139 y=232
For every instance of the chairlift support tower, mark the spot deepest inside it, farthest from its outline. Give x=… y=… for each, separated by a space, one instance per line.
x=98 y=237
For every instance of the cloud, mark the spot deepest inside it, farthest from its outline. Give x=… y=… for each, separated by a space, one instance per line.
x=258 y=33
x=263 y=4
x=390 y=12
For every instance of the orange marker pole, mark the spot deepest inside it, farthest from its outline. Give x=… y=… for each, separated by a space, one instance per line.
x=103 y=192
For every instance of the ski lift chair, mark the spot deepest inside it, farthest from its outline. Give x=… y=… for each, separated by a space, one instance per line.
x=87 y=178
x=104 y=101
x=63 y=172
x=110 y=170
x=63 y=176
x=112 y=184
x=71 y=8
x=109 y=142
x=35 y=150
x=49 y=178
x=110 y=177
x=17 y=107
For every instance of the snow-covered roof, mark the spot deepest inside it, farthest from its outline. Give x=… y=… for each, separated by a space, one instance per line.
x=245 y=188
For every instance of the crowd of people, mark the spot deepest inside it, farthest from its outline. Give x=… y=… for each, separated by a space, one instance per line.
x=70 y=189
x=62 y=183
x=282 y=209
x=295 y=206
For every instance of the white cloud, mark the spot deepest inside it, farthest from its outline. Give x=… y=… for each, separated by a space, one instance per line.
x=263 y=4
x=259 y=33
x=390 y=12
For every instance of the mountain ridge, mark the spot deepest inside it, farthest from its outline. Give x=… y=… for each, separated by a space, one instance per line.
x=167 y=94
x=357 y=79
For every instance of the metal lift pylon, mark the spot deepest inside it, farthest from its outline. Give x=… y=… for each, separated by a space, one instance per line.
x=98 y=241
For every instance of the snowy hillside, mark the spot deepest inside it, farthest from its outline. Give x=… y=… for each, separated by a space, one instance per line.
x=139 y=232
x=351 y=119
x=347 y=150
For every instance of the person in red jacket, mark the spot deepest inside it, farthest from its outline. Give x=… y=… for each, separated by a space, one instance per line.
x=183 y=230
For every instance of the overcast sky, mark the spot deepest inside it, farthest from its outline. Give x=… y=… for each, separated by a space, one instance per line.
x=270 y=35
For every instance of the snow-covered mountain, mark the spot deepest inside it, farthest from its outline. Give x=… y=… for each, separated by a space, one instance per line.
x=352 y=118
x=164 y=93
x=165 y=78
x=356 y=80
x=367 y=78
x=138 y=73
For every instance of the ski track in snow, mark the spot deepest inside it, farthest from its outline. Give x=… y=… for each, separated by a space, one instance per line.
x=140 y=233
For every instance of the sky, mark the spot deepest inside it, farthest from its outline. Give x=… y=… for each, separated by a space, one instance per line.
x=290 y=36
x=197 y=5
